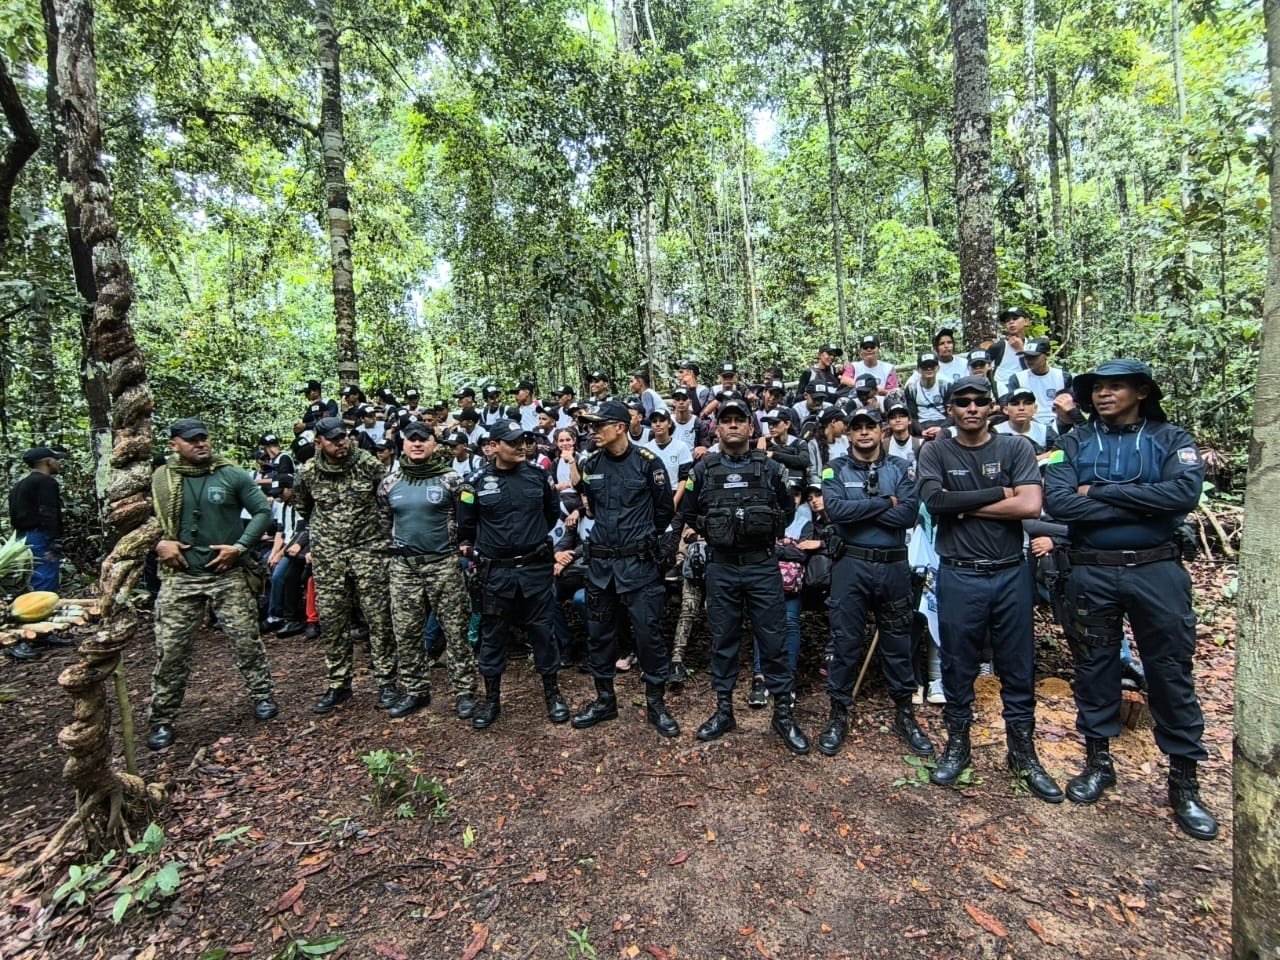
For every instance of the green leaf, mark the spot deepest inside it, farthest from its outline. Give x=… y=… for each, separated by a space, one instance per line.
x=121 y=907
x=167 y=879
x=321 y=946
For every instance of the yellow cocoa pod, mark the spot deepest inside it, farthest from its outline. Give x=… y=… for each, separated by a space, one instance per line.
x=34 y=606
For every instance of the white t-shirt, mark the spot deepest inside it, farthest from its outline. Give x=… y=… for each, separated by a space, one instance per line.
x=1045 y=388
x=952 y=370
x=673 y=456
x=905 y=451
x=882 y=371
x=1010 y=364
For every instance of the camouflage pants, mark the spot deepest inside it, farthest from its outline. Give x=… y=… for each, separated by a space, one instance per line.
x=345 y=578
x=179 y=612
x=690 y=612
x=420 y=584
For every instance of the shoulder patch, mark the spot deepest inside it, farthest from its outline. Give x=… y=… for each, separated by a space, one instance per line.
x=1057 y=456
x=645 y=452
x=1188 y=455
x=828 y=473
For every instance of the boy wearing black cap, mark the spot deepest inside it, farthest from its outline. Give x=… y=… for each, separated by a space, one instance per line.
x=926 y=396
x=869 y=362
x=1044 y=381
x=1124 y=482
x=979 y=486
x=317 y=407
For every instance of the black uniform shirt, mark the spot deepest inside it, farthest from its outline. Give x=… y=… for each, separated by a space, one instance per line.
x=507 y=513
x=955 y=479
x=35 y=503
x=775 y=478
x=629 y=499
x=861 y=511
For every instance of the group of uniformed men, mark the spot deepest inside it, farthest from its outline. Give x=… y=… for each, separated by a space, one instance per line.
x=393 y=539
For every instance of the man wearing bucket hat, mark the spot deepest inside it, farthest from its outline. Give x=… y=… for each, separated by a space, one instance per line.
x=1123 y=483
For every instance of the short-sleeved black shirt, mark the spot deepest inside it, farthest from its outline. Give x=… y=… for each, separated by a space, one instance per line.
x=1002 y=461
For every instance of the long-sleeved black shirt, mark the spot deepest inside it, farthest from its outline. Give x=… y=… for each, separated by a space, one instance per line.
x=35 y=503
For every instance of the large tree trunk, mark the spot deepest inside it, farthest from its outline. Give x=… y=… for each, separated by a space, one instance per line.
x=971 y=143
x=337 y=203
x=1025 y=139
x=1180 y=91
x=1256 y=751
x=833 y=187
x=100 y=787
x=25 y=142
x=748 y=254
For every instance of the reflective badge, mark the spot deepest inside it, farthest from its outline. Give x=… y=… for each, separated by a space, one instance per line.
x=1189 y=455
x=435 y=494
x=827 y=473
x=659 y=477
x=491 y=483
x=732 y=479
x=217 y=495
x=991 y=470
x=1057 y=456
x=736 y=486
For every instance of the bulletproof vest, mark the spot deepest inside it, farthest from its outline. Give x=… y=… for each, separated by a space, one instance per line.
x=738 y=511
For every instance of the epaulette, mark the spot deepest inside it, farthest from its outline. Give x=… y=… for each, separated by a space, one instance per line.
x=646 y=452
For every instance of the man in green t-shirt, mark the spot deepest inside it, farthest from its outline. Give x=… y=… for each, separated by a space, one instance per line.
x=198 y=499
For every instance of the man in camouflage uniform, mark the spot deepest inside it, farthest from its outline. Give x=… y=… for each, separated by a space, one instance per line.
x=198 y=499
x=415 y=509
x=336 y=495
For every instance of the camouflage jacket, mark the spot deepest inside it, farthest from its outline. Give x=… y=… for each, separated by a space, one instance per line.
x=341 y=508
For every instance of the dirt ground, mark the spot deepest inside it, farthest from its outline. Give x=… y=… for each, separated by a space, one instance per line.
x=614 y=842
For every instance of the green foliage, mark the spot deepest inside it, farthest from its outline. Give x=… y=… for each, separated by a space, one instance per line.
x=315 y=947
x=579 y=945
x=396 y=782
x=143 y=888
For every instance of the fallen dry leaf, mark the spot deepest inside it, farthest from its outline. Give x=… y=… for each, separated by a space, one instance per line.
x=746 y=931
x=538 y=876
x=678 y=859
x=657 y=952
x=986 y=921
x=389 y=950
x=477 y=942
x=1035 y=927
x=290 y=897
x=996 y=879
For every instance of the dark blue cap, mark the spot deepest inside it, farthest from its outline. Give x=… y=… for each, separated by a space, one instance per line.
x=611 y=411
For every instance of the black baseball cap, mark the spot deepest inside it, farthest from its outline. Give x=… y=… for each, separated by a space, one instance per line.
x=458 y=438
x=1019 y=392
x=979 y=356
x=680 y=393
x=870 y=414
x=866 y=382
x=817 y=388
x=492 y=391
x=869 y=342
x=564 y=390
x=733 y=404
x=464 y=393
x=896 y=406
x=595 y=375
x=928 y=358
x=269 y=439
x=971 y=385
x=831 y=348
x=690 y=365
x=36 y=454
x=418 y=430
x=662 y=413
x=775 y=386
x=525 y=385
x=411 y=392
x=1037 y=347
x=187 y=429
x=469 y=414
x=728 y=367
x=611 y=411
x=315 y=385
x=831 y=414
x=330 y=428
x=350 y=389
x=506 y=431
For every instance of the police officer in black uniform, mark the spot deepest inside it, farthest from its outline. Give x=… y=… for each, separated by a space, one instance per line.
x=870 y=498
x=1123 y=483
x=506 y=511
x=737 y=500
x=979 y=486
x=628 y=497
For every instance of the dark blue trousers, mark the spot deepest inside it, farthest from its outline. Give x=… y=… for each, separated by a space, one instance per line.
x=860 y=588
x=524 y=595
x=1157 y=599
x=644 y=606
x=971 y=602
x=757 y=587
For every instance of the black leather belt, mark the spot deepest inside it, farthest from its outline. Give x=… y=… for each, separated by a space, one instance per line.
x=592 y=552
x=983 y=566
x=1124 y=558
x=876 y=554
x=541 y=554
x=741 y=559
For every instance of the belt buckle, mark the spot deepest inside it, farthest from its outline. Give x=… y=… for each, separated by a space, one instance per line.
x=1130 y=557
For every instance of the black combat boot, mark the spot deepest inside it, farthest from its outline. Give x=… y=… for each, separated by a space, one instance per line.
x=488 y=711
x=784 y=724
x=720 y=722
x=656 y=710
x=334 y=697
x=388 y=696
x=603 y=707
x=1023 y=761
x=832 y=737
x=1098 y=774
x=408 y=704
x=1184 y=796
x=908 y=729
x=955 y=756
x=557 y=709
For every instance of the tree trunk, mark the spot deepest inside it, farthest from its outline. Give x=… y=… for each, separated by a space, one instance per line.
x=1256 y=750
x=1126 y=233
x=87 y=739
x=1180 y=90
x=25 y=142
x=971 y=143
x=748 y=254
x=1026 y=151
x=833 y=186
x=1055 y=175
x=337 y=203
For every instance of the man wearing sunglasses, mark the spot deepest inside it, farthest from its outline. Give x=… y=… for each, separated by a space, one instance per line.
x=979 y=486
x=626 y=493
x=1123 y=483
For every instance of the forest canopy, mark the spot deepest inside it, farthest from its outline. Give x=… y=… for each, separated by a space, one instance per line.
x=539 y=188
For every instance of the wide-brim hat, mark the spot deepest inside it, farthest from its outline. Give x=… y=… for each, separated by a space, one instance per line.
x=1123 y=369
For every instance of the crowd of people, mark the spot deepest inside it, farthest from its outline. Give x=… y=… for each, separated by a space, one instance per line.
x=915 y=506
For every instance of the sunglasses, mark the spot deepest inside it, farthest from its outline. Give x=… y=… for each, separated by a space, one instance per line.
x=963 y=402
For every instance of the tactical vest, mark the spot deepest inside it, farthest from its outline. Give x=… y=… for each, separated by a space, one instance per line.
x=738 y=511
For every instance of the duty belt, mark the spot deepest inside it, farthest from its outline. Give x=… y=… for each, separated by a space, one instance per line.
x=876 y=554
x=741 y=559
x=592 y=552
x=1125 y=558
x=983 y=566
x=541 y=554
x=421 y=559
